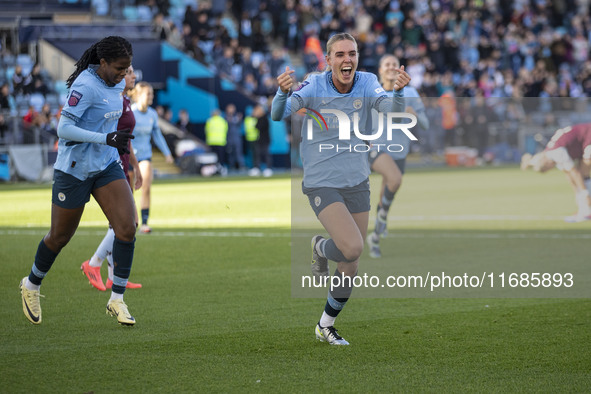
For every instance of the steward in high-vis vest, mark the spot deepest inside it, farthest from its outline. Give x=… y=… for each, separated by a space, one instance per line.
x=216 y=132
x=251 y=133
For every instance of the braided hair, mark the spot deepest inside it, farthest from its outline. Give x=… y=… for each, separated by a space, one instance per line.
x=109 y=48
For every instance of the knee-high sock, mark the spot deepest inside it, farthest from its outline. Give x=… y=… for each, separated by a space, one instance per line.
x=122 y=259
x=383 y=208
x=337 y=298
x=387 y=198
x=329 y=249
x=145 y=215
x=110 y=267
x=104 y=249
x=43 y=261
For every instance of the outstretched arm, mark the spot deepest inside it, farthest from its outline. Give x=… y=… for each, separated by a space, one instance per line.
x=397 y=104
x=161 y=142
x=280 y=108
x=402 y=79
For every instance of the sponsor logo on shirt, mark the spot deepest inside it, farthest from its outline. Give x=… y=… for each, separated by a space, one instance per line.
x=113 y=114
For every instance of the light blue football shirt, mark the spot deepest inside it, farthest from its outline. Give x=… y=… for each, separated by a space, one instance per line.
x=93 y=106
x=146 y=128
x=328 y=160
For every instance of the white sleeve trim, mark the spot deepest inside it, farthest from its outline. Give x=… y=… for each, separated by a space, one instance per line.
x=561 y=158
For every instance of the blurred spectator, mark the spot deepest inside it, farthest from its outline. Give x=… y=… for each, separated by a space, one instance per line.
x=48 y=120
x=434 y=143
x=251 y=85
x=394 y=17
x=234 y=147
x=160 y=110
x=277 y=62
x=264 y=140
x=313 y=54
x=412 y=34
x=187 y=37
x=175 y=37
x=246 y=64
x=246 y=36
x=160 y=26
x=168 y=115
x=449 y=119
x=7 y=102
x=3 y=128
x=31 y=118
x=268 y=87
x=195 y=50
x=368 y=54
x=184 y=122
x=266 y=19
x=20 y=82
x=225 y=63
x=200 y=25
x=289 y=27
x=310 y=60
x=37 y=81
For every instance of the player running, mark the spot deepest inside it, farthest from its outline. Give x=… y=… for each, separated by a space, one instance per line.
x=569 y=150
x=146 y=129
x=336 y=180
x=390 y=164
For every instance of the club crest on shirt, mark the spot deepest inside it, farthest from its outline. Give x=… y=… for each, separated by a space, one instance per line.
x=74 y=98
x=357 y=104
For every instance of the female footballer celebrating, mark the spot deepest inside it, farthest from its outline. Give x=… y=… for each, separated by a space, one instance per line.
x=336 y=181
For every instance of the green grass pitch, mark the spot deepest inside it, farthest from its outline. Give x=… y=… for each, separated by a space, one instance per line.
x=216 y=313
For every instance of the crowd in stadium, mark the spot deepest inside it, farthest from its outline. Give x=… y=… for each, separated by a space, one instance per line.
x=466 y=48
x=500 y=48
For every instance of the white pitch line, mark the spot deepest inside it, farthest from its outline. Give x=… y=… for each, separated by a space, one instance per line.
x=230 y=222
x=477 y=217
x=306 y=219
x=287 y=234
x=456 y=218
x=197 y=233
